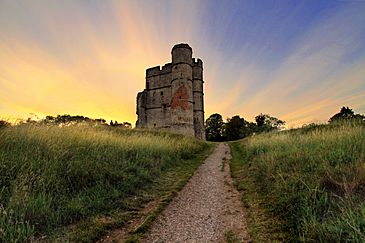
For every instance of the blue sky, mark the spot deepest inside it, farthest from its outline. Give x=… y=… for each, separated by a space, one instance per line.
x=296 y=60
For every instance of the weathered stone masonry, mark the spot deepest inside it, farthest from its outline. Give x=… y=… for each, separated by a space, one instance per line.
x=173 y=97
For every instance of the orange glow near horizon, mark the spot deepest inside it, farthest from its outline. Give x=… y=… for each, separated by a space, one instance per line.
x=89 y=58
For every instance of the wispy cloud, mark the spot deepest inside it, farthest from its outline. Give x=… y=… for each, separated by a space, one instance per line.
x=326 y=63
x=299 y=62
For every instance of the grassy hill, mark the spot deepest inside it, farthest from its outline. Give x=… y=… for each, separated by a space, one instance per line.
x=54 y=176
x=305 y=184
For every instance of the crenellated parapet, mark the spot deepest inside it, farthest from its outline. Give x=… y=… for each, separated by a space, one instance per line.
x=198 y=62
x=155 y=71
x=198 y=69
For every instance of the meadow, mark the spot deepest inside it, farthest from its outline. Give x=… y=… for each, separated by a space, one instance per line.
x=53 y=176
x=304 y=185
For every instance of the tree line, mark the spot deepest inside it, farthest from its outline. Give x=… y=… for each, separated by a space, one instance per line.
x=69 y=120
x=237 y=127
x=215 y=128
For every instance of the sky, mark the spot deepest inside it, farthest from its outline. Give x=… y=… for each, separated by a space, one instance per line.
x=300 y=61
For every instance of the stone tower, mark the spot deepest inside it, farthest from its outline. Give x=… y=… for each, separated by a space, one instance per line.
x=173 y=99
x=182 y=100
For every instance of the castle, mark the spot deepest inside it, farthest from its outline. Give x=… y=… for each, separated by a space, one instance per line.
x=173 y=97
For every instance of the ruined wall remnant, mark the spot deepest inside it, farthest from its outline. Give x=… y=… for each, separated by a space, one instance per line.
x=173 y=98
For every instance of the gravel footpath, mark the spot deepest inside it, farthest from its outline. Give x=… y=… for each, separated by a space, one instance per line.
x=205 y=209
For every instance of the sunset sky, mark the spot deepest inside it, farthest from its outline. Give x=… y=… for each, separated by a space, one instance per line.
x=299 y=61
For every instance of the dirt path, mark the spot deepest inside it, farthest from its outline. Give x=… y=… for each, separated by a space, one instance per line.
x=205 y=209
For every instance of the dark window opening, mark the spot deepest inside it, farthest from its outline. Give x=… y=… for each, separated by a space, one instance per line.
x=161 y=92
x=164 y=106
x=154 y=125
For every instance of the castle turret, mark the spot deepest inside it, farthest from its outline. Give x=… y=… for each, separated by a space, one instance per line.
x=182 y=110
x=198 y=99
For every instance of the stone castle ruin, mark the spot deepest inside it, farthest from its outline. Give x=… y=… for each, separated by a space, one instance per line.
x=173 y=97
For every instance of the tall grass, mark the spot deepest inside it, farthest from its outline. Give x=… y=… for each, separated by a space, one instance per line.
x=52 y=176
x=312 y=179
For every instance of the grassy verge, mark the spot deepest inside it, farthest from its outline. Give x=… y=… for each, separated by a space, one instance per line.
x=231 y=237
x=92 y=178
x=304 y=185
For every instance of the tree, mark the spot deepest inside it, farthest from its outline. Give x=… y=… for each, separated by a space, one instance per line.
x=127 y=124
x=249 y=129
x=214 y=128
x=4 y=123
x=100 y=121
x=345 y=114
x=234 y=128
x=266 y=122
x=123 y=124
x=66 y=119
x=237 y=128
x=260 y=120
x=49 y=119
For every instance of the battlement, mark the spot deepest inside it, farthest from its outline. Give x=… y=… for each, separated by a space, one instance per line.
x=198 y=62
x=153 y=71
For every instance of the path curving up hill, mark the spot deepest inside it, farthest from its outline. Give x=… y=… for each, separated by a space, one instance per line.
x=205 y=209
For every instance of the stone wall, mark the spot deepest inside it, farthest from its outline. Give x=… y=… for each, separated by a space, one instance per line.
x=173 y=98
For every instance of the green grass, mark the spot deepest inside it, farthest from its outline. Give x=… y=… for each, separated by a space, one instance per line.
x=305 y=185
x=231 y=237
x=92 y=178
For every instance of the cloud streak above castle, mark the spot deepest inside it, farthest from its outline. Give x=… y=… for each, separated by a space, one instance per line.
x=297 y=60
